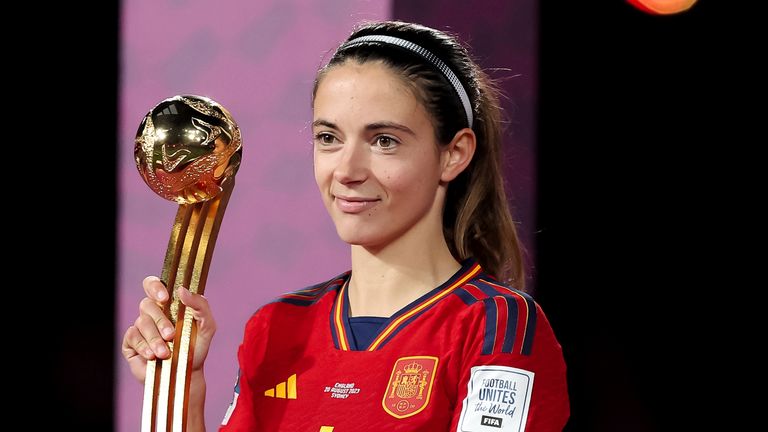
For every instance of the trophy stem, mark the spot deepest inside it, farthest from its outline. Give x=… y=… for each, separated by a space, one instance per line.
x=187 y=260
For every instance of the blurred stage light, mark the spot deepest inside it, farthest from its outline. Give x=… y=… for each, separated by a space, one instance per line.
x=662 y=7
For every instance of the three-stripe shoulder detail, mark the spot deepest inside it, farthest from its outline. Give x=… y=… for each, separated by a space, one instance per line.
x=311 y=295
x=510 y=316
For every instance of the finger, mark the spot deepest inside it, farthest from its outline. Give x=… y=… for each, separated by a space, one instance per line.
x=134 y=345
x=163 y=324
x=196 y=302
x=155 y=289
x=201 y=310
x=148 y=329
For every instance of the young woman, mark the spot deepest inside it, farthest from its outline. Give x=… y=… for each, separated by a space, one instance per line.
x=425 y=333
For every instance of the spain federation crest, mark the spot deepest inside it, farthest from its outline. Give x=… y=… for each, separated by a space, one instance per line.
x=409 y=386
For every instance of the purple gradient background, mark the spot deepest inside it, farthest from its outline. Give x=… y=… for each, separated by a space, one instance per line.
x=259 y=59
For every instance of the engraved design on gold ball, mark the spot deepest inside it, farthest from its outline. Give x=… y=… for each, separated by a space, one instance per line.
x=186 y=147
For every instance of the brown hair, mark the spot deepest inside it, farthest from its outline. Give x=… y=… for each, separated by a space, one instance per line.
x=476 y=218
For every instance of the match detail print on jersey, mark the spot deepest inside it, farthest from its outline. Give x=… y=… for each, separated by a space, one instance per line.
x=410 y=386
x=497 y=400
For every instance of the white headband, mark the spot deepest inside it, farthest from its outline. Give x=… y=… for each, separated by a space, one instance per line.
x=454 y=80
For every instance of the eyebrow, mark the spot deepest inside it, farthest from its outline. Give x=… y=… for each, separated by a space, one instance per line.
x=369 y=127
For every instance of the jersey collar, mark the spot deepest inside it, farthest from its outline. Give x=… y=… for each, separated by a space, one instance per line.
x=342 y=333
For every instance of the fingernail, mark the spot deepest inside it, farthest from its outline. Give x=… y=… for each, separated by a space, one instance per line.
x=161 y=294
x=161 y=350
x=148 y=353
x=167 y=331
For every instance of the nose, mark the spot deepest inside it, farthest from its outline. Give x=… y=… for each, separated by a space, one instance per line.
x=353 y=166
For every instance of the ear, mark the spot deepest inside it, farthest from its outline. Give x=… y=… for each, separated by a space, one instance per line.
x=456 y=156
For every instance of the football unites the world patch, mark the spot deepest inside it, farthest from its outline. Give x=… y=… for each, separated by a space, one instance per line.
x=497 y=399
x=410 y=386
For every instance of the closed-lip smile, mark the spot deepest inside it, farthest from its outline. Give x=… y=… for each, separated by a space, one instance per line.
x=352 y=205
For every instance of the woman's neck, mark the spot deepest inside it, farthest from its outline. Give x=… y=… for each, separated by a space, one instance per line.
x=387 y=279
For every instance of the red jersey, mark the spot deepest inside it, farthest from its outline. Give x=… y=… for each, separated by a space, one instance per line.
x=470 y=355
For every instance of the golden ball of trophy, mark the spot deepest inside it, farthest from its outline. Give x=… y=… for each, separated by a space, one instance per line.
x=187 y=147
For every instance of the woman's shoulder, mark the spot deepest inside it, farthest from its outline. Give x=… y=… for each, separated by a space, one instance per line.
x=304 y=298
x=507 y=317
x=486 y=290
x=477 y=288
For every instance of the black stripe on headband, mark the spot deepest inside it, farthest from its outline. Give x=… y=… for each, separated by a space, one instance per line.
x=423 y=52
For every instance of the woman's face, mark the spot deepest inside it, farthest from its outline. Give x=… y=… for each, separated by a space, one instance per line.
x=377 y=162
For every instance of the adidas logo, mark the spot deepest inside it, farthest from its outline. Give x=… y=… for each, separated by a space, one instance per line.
x=284 y=390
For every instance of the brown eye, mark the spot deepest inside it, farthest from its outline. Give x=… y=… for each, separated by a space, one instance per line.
x=386 y=142
x=325 y=138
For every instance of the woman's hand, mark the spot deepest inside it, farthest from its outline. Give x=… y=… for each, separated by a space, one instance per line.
x=147 y=338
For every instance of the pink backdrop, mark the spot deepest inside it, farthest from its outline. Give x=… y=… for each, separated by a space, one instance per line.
x=258 y=59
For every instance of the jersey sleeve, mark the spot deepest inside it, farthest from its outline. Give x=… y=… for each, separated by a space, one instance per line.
x=240 y=415
x=513 y=376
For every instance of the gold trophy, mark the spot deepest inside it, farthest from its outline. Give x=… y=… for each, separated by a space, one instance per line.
x=188 y=149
